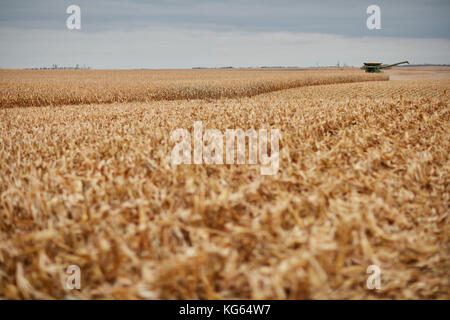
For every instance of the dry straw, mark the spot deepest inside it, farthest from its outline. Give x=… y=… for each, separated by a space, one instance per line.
x=364 y=179
x=25 y=88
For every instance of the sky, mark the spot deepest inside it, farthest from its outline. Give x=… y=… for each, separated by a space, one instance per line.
x=121 y=34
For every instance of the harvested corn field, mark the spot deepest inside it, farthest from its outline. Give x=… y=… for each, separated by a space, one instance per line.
x=363 y=179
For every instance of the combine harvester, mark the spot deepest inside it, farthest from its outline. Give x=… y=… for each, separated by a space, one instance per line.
x=375 y=67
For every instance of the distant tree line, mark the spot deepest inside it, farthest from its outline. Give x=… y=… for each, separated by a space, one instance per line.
x=56 y=67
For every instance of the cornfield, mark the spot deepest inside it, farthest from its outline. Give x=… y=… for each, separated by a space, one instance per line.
x=86 y=179
x=25 y=88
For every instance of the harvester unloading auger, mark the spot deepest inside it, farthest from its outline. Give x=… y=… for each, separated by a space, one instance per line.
x=375 y=67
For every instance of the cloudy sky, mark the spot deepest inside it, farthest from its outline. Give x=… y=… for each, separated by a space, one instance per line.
x=210 y=33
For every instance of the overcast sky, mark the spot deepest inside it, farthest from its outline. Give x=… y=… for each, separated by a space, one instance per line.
x=190 y=33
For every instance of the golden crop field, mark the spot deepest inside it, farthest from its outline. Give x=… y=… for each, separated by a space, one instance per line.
x=25 y=88
x=363 y=179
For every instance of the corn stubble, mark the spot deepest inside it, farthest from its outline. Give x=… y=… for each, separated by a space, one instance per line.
x=364 y=179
